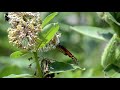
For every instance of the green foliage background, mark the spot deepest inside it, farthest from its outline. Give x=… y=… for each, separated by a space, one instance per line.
x=86 y=49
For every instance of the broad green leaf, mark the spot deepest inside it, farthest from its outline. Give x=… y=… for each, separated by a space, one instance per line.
x=48 y=19
x=17 y=54
x=48 y=33
x=14 y=66
x=111 y=54
x=108 y=56
x=10 y=69
x=112 y=71
x=57 y=67
x=19 y=76
x=94 y=32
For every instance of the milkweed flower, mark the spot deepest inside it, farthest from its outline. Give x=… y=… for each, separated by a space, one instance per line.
x=24 y=30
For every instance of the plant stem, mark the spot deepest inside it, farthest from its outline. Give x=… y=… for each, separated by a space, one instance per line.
x=115 y=27
x=38 y=65
x=111 y=20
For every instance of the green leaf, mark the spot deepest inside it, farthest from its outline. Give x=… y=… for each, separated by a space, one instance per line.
x=69 y=74
x=14 y=66
x=112 y=71
x=48 y=19
x=64 y=27
x=112 y=18
x=108 y=56
x=48 y=33
x=109 y=16
x=111 y=54
x=17 y=54
x=19 y=76
x=57 y=67
x=94 y=32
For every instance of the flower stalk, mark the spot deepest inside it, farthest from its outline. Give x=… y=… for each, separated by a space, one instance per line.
x=24 y=34
x=38 y=65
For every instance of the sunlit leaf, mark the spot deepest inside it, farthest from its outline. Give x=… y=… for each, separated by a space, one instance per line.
x=48 y=33
x=19 y=76
x=94 y=32
x=48 y=19
x=17 y=54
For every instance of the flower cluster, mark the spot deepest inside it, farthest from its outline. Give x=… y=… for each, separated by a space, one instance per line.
x=24 y=29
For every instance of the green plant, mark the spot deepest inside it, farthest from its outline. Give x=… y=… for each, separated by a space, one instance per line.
x=33 y=37
x=40 y=57
x=110 y=58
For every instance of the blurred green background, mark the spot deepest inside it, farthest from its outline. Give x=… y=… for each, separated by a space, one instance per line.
x=86 y=49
